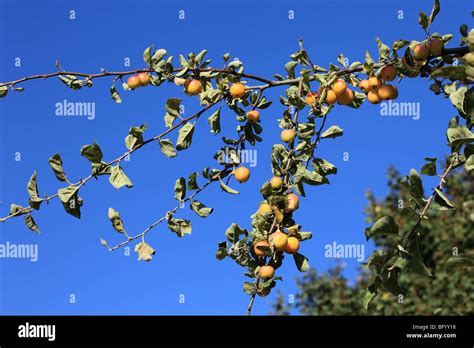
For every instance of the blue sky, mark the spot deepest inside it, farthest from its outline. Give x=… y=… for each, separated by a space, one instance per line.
x=71 y=260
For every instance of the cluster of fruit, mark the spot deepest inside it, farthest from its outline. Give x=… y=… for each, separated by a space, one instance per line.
x=421 y=53
x=339 y=92
x=138 y=80
x=281 y=241
x=376 y=88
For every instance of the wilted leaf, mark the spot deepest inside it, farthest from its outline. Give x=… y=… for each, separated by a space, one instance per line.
x=215 y=122
x=180 y=189
x=31 y=224
x=332 y=132
x=301 y=262
x=180 y=226
x=167 y=148
x=34 y=200
x=172 y=111
x=92 y=152
x=201 y=209
x=145 y=251
x=118 y=178
x=3 y=91
x=249 y=288
x=115 y=95
x=228 y=189
x=192 y=181
x=384 y=50
x=116 y=220
x=368 y=294
x=57 y=165
x=185 y=136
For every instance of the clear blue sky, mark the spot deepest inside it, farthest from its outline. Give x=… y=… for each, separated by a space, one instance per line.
x=71 y=260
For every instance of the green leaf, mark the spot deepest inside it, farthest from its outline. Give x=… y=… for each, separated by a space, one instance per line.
x=56 y=164
x=368 y=294
x=32 y=188
x=92 y=152
x=429 y=168
x=457 y=98
x=313 y=178
x=71 y=81
x=442 y=200
x=400 y=44
x=332 y=132
x=416 y=185
x=384 y=225
x=228 y=189
x=118 y=178
x=264 y=103
x=172 y=111
x=450 y=72
x=301 y=262
x=115 y=95
x=201 y=209
x=369 y=63
x=180 y=189
x=384 y=50
x=434 y=12
x=233 y=233
x=423 y=20
x=415 y=263
x=31 y=224
x=221 y=252
x=180 y=226
x=324 y=167
x=391 y=283
x=3 y=91
x=459 y=135
x=290 y=68
x=469 y=164
x=200 y=56
x=158 y=56
x=215 y=121
x=147 y=55
x=185 y=136
x=305 y=235
x=145 y=251
x=116 y=220
x=167 y=148
x=459 y=262
x=135 y=136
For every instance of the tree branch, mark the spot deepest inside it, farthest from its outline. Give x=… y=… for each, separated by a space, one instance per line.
x=120 y=158
x=439 y=187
